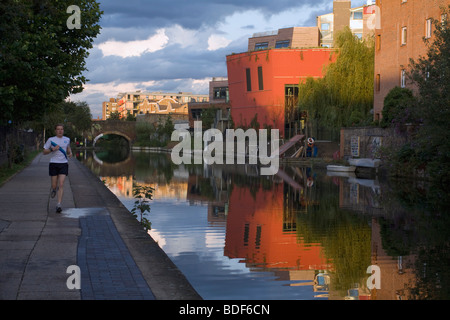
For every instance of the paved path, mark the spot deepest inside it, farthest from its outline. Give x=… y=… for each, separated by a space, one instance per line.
x=117 y=259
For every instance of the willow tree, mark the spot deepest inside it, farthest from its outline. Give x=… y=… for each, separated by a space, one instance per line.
x=344 y=96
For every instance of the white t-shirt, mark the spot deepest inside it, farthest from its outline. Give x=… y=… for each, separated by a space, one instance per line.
x=58 y=156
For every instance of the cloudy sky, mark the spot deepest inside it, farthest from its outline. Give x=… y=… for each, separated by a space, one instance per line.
x=179 y=45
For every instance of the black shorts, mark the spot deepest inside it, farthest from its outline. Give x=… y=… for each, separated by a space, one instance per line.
x=55 y=169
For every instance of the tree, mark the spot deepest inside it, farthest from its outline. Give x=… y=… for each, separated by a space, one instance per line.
x=130 y=117
x=41 y=59
x=431 y=75
x=344 y=96
x=76 y=117
x=114 y=116
x=397 y=108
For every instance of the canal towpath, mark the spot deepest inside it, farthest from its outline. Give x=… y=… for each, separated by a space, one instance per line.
x=116 y=258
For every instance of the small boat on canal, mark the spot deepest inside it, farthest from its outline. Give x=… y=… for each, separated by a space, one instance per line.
x=339 y=168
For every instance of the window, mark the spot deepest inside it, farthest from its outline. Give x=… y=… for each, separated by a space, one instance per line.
x=282 y=44
x=196 y=113
x=357 y=15
x=403 y=78
x=404 y=35
x=325 y=26
x=261 y=45
x=428 y=24
x=377 y=83
x=378 y=42
x=291 y=90
x=260 y=78
x=249 y=79
x=220 y=92
x=359 y=35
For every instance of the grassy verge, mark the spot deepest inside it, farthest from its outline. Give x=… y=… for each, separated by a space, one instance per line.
x=6 y=173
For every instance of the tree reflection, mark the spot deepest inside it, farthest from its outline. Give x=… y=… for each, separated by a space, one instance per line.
x=345 y=236
x=425 y=231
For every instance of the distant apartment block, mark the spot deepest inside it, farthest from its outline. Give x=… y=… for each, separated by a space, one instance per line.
x=109 y=107
x=139 y=102
x=404 y=24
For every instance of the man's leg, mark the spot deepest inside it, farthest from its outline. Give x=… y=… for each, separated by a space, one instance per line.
x=54 y=180
x=61 y=178
x=52 y=171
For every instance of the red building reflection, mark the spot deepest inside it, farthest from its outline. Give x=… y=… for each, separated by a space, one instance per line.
x=257 y=232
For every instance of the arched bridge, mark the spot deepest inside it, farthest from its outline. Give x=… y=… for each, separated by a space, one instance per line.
x=126 y=129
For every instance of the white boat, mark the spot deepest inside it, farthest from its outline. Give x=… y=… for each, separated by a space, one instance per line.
x=338 y=168
x=365 y=162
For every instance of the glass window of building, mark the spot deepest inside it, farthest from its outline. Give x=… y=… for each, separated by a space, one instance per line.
x=261 y=45
x=282 y=44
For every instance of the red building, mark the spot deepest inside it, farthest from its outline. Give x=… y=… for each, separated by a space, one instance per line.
x=263 y=85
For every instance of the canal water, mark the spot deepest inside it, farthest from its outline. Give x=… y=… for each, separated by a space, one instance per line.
x=301 y=234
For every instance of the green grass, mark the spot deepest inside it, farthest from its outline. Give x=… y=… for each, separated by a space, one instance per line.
x=7 y=173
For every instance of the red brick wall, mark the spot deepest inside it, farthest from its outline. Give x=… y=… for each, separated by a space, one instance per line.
x=392 y=56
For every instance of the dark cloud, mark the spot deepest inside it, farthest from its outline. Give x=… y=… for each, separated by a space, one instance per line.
x=172 y=62
x=188 y=14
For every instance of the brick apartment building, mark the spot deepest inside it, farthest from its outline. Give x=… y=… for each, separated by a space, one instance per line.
x=139 y=102
x=403 y=25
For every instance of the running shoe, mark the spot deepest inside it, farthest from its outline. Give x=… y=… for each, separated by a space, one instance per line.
x=53 y=194
x=58 y=208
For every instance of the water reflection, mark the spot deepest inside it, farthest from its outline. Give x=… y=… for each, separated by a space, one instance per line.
x=302 y=234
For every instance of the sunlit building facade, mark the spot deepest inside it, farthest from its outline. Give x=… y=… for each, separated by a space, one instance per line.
x=404 y=24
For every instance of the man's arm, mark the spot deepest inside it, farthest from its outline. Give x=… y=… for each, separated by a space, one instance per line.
x=50 y=150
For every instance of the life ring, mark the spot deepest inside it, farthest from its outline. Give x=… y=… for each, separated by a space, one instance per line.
x=309 y=182
x=310 y=142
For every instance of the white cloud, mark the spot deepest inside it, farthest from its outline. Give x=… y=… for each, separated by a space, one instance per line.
x=126 y=49
x=216 y=42
x=184 y=37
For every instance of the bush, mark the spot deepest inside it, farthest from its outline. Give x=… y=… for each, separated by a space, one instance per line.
x=397 y=107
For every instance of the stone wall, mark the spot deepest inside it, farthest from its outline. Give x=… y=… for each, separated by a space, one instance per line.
x=161 y=118
x=364 y=142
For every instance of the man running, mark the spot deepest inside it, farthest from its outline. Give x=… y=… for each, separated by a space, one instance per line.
x=59 y=147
